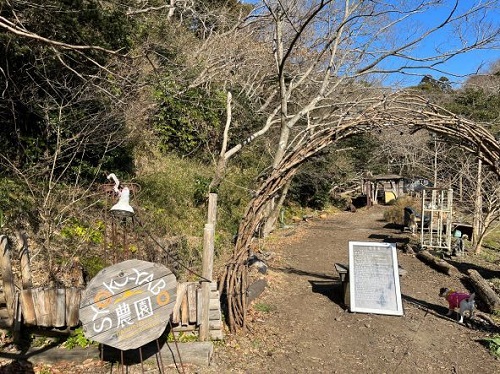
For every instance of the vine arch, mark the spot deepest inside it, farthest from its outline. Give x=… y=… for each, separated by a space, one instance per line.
x=414 y=111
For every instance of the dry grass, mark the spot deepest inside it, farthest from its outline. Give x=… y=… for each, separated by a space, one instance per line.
x=395 y=213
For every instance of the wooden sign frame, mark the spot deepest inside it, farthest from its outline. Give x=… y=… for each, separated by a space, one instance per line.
x=374 y=278
x=128 y=304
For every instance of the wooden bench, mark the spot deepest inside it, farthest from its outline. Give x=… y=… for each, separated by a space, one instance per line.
x=343 y=271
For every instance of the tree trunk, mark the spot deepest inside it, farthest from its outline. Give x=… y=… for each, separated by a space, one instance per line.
x=478 y=209
x=273 y=217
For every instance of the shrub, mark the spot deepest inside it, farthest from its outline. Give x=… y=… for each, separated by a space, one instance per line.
x=395 y=214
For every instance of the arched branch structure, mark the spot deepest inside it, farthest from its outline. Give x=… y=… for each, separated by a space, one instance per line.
x=382 y=111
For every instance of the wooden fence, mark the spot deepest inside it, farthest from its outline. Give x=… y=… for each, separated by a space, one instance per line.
x=186 y=316
x=50 y=307
x=59 y=307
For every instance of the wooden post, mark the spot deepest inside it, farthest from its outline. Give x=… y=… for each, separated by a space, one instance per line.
x=26 y=298
x=24 y=257
x=208 y=257
x=212 y=209
x=7 y=277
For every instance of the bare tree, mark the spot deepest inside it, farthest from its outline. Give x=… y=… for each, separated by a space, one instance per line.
x=329 y=59
x=62 y=111
x=480 y=200
x=320 y=48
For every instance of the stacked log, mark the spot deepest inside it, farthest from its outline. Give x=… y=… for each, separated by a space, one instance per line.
x=484 y=291
x=436 y=263
x=186 y=316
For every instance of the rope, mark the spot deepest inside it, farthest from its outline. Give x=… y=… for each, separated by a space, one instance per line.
x=203 y=279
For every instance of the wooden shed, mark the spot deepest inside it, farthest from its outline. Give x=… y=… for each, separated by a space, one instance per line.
x=383 y=188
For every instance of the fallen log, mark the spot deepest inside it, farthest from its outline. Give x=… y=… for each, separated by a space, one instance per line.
x=436 y=263
x=484 y=291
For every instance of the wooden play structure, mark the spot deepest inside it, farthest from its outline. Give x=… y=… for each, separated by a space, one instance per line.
x=436 y=221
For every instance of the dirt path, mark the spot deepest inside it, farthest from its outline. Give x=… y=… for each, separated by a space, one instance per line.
x=300 y=325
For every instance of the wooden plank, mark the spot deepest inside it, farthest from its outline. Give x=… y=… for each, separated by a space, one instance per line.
x=24 y=258
x=214 y=304
x=17 y=314
x=193 y=353
x=188 y=328
x=50 y=295
x=7 y=276
x=215 y=325
x=59 y=318
x=191 y=298
x=216 y=335
x=214 y=314
x=73 y=296
x=198 y=308
x=41 y=307
x=214 y=294
x=27 y=307
x=181 y=291
x=184 y=310
x=212 y=325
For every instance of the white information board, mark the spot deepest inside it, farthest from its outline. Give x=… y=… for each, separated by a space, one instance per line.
x=374 y=278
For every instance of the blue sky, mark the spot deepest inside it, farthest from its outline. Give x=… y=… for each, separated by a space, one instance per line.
x=460 y=65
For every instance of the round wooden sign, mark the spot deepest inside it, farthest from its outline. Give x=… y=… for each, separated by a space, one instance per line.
x=128 y=304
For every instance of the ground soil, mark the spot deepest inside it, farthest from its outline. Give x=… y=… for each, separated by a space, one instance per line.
x=300 y=324
x=304 y=327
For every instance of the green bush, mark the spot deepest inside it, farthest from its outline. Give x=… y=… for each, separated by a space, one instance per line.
x=93 y=265
x=494 y=345
x=77 y=339
x=16 y=206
